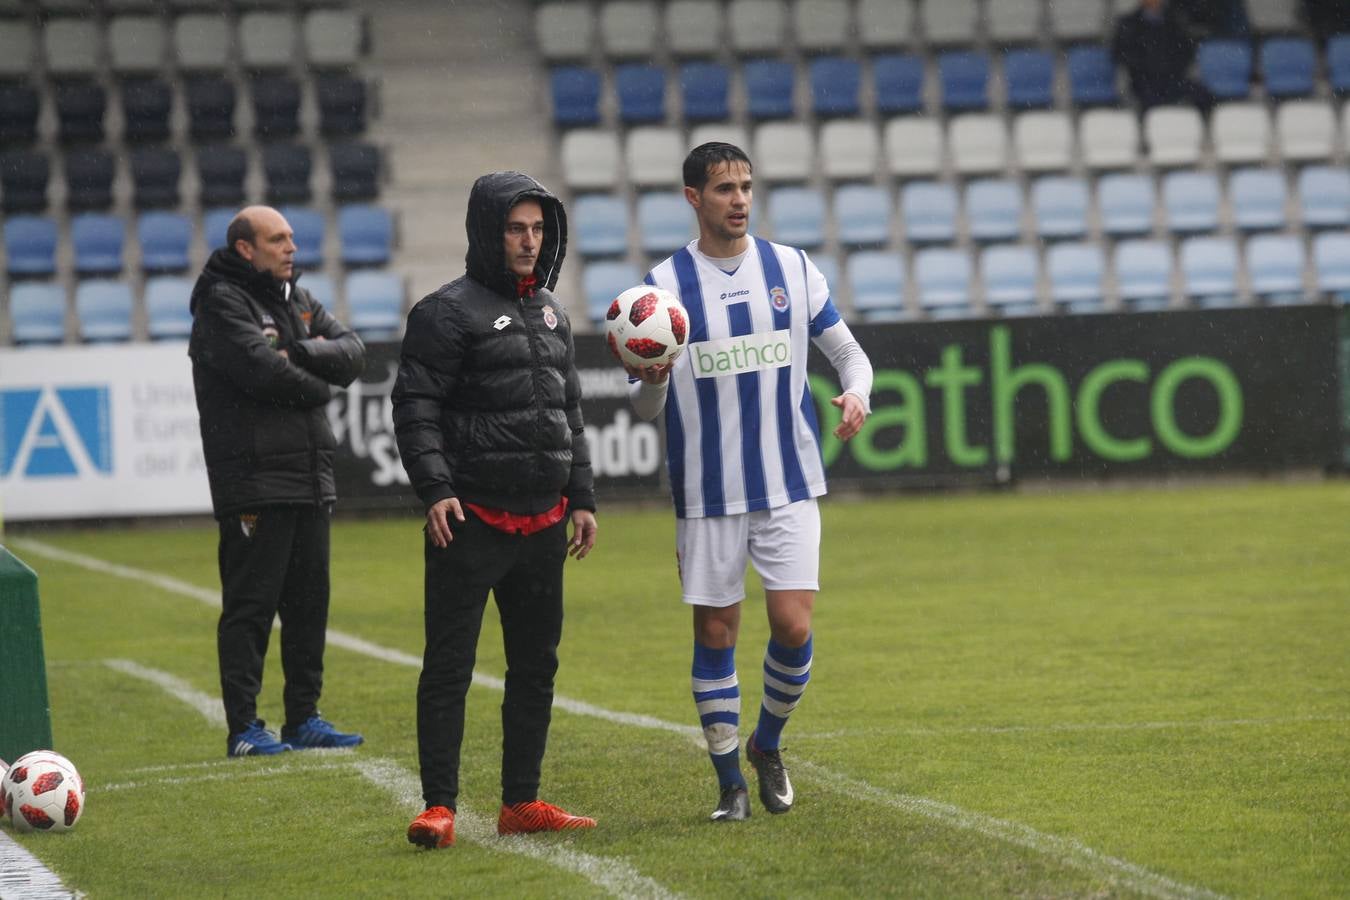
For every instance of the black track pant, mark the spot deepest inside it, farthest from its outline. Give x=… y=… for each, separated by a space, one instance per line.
x=524 y=574
x=281 y=569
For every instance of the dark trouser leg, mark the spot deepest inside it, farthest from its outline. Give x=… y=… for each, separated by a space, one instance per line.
x=304 y=614
x=530 y=600
x=254 y=551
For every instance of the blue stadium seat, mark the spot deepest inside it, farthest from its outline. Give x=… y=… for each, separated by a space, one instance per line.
x=964 y=77
x=943 y=279
x=97 y=240
x=1258 y=198
x=164 y=238
x=321 y=288
x=1331 y=264
x=1324 y=197
x=1092 y=76
x=1191 y=201
x=37 y=312
x=600 y=225
x=103 y=310
x=835 y=82
x=642 y=92
x=1338 y=62
x=797 y=216
x=1009 y=272
x=928 y=212
x=1075 y=271
x=601 y=282
x=876 y=282
x=1143 y=275
x=704 y=86
x=1126 y=202
x=862 y=215
x=1275 y=268
x=1209 y=270
x=308 y=226
x=365 y=235
x=1030 y=78
x=167 y=311
x=768 y=87
x=1287 y=66
x=994 y=209
x=1225 y=66
x=1059 y=204
x=30 y=246
x=215 y=223
x=898 y=80
x=665 y=222
x=375 y=303
x=576 y=96
x=828 y=266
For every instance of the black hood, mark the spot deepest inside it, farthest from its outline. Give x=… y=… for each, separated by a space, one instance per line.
x=489 y=202
x=225 y=264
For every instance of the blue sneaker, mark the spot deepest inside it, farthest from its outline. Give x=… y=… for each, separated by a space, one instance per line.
x=255 y=740
x=317 y=732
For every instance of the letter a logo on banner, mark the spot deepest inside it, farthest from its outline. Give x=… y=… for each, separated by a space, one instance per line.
x=51 y=432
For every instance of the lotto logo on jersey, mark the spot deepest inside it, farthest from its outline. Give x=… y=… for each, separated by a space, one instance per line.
x=747 y=353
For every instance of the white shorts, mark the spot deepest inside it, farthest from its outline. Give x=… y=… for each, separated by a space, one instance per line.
x=783 y=543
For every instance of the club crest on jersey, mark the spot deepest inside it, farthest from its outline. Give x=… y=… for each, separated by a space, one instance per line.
x=550 y=317
x=778 y=297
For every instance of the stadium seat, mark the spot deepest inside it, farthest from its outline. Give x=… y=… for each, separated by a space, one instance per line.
x=1014 y=21
x=333 y=38
x=1029 y=77
x=365 y=235
x=1209 y=268
x=155 y=173
x=19 y=107
x=942 y=277
x=1109 y=139
x=1331 y=264
x=167 y=311
x=1225 y=67
x=1287 y=66
x=769 y=87
x=276 y=106
x=1043 y=141
x=665 y=222
x=1143 y=275
x=1258 y=198
x=89 y=179
x=828 y=267
x=202 y=42
x=1268 y=16
x=757 y=26
x=24 y=177
x=655 y=155
x=164 y=238
x=286 y=171
x=210 y=102
x=1009 y=275
x=590 y=159
x=821 y=26
x=355 y=167
x=30 y=246
x=641 y=89
x=103 y=310
x=994 y=209
x=898 y=83
x=862 y=215
x=1126 y=202
x=1190 y=201
x=1275 y=268
x=848 y=149
x=308 y=227
x=602 y=281
x=784 y=151
x=797 y=216
x=1092 y=75
x=1324 y=197
x=1174 y=134
x=137 y=44
x=835 y=82
x=1080 y=20
x=72 y=46
x=321 y=288
x=564 y=30
x=576 y=96
x=885 y=24
x=978 y=143
x=694 y=27
x=1338 y=62
x=1059 y=205
x=928 y=212
x=704 y=86
x=876 y=283
x=267 y=40
x=725 y=132
x=599 y=225
x=97 y=239
x=628 y=28
x=80 y=107
x=950 y=21
x=341 y=100
x=221 y=170
x=963 y=76
x=37 y=313
x=375 y=304
x=1241 y=133
x=146 y=104
x=215 y=223
x=914 y=146
x=1075 y=273
x=1306 y=130
x=18 y=48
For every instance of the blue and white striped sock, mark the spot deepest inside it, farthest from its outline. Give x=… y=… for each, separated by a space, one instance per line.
x=786 y=672
x=717 y=694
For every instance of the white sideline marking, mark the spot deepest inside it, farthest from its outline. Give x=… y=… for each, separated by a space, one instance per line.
x=202 y=702
x=22 y=875
x=1057 y=727
x=1066 y=851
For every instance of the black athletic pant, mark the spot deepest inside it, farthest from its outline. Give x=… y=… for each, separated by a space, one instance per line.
x=273 y=562
x=524 y=574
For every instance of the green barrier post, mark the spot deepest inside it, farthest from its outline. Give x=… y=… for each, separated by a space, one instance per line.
x=25 y=716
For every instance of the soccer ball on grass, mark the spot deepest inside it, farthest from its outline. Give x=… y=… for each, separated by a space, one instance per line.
x=646 y=326
x=42 y=791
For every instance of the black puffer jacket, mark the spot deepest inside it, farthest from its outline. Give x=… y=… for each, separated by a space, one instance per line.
x=264 y=432
x=487 y=403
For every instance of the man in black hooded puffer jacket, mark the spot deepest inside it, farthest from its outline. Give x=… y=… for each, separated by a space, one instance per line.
x=487 y=412
x=264 y=354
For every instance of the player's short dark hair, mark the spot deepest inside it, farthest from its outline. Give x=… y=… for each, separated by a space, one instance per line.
x=703 y=157
x=241 y=229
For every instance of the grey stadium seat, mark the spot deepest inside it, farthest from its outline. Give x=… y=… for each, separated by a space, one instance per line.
x=73 y=47
x=757 y=26
x=628 y=28
x=951 y=21
x=333 y=37
x=201 y=42
x=267 y=40
x=1014 y=20
x=693 y=27
x=885 y=23
x=137 y=44
x=820 y=25
x=17 y=45
x=564 y=30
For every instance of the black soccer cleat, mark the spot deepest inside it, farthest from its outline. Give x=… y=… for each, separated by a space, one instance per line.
x=734 y=805
x=775 y=790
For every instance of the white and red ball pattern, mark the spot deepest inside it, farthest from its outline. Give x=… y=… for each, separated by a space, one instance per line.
x=42 y=791
x=646 y=326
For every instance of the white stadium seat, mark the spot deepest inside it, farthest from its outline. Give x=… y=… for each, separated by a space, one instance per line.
x=628 y=28
x=1044 y=141
x=655 y=155
x=1109 y=138
x=848 y=148
x=1241 y=133
x=1174 y=135
x=784 y=151
x=820 y=25
x=979 y=143
x=1306 y=130
x=590 y=159
x=914 y=146
x=885 y=23
x=565 y=31
x=693 y=27
x=757 y=26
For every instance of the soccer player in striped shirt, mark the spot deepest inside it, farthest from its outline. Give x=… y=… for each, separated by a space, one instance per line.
x=743 y=452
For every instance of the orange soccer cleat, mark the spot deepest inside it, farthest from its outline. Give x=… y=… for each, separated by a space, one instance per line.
x=536 y=815
x=433 y=829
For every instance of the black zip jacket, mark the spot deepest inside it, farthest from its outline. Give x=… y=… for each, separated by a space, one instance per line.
x=265 y=435
x=487 y=402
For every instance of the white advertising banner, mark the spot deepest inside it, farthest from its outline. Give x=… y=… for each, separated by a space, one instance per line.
x=99 y=431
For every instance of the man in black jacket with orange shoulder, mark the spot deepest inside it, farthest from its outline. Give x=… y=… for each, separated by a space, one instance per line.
x=487 y=412
x=265 y=355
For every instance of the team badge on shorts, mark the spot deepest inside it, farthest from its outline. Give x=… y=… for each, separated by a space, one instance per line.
x=550 y=317
x=247 y=523
x=778 y=297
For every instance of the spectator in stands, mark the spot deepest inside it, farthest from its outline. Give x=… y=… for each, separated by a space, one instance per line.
x=1216 y=18
x=1327 y=17
x=265 y=355
x=487 y=412
x=1156 y=48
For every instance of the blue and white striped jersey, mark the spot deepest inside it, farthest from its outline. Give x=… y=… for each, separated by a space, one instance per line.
x=741 y=428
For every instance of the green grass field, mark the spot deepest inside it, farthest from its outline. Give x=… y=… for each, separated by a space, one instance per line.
x=1134 y=692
